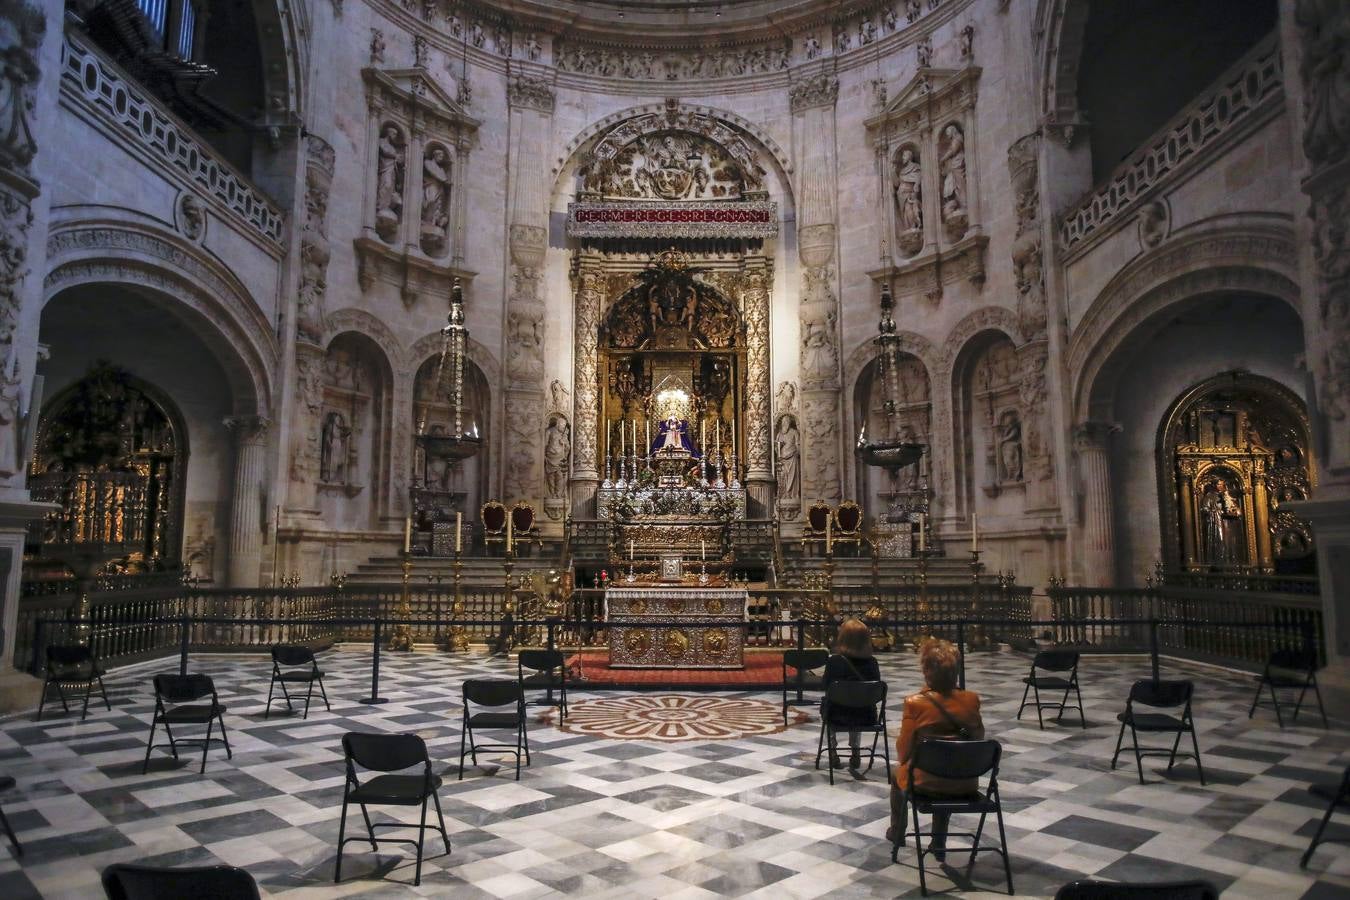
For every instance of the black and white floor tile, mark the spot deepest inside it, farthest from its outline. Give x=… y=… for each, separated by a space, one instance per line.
x=729 y=815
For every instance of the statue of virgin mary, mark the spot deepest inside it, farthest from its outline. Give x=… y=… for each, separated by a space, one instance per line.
x=673 y=434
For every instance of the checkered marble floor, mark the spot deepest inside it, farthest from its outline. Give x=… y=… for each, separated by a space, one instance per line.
x=602 y=818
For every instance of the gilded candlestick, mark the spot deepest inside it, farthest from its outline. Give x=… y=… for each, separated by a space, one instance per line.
x=459 y=635
x=402 y=638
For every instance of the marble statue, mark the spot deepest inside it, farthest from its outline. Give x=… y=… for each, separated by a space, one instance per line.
x=953 y=168
x=1009 y=447
x=435 y=200
x=557 y=455
x=787 y=458
x=333 y=456
x=389 y=183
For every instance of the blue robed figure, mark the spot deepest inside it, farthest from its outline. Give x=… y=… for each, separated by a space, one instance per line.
x=673 y=434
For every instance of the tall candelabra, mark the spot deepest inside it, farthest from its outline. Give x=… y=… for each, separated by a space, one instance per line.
x=402 y=638
x=459 y=635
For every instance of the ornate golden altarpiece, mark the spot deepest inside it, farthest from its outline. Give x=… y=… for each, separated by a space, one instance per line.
x=1234 y=451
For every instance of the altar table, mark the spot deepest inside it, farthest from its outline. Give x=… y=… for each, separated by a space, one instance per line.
x=634 y=643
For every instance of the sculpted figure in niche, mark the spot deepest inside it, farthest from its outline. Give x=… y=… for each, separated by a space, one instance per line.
x=953 y=168
x=389 y=183
x=524 y=338
x=435 y=200
x=10 y=390
x=909 y=201
x=1009 y=446
x=1222 y=517
x=787 y=453
x=557 y=455
x=333 y=456
x=812 y=46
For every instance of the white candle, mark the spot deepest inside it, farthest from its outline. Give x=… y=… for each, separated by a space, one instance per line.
x=717 y=435
x=974 y=531
x=922 y=540
x=702 y=550
x=648 y=449
x=630 y=551
x=622 y=442
x=829 y=539
x=702 y=436
x=459 y=521
x=508 y=532
x=607 y=430
x=733 y=436
x=407 y=535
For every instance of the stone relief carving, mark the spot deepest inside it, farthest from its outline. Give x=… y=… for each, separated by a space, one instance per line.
x=952 y=166
x=391 y=177
x=522 y=447
x=820 y=474
x=191 y=216
x=671 y=66
x=534 y=50
x=913 y=9
x=1027 y=255
x=755 y=305
x=559 y=397
x=675 y=165
x=923 y=50
x=11 y=394
x=1039 y=457
x=421 y=51
x=820 y=350
x=314 y=248
x=1009 y=446
x=309 y=377
x=787 y=463
x=535 y=93
x=525 y=335
x=335 y=455
x=436 y=184
x=1154 y=223
x=16 y=216
x=908 y=180
x=819 y=90
x=967 y=42
x=585 y=383
x=811 y=46
x=376 y=47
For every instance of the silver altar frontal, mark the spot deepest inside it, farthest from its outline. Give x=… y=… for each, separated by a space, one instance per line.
x=636 y=643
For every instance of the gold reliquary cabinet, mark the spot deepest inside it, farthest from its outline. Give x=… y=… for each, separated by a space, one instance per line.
x=418 y=141
x=925 y=143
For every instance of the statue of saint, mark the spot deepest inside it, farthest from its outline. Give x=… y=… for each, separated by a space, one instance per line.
x=953 y=168
x=787 y=450
x=389 y=183
x=1222 y=517
x=557 y=454
x=333 y=456
x=673 y=435
x=435 y=199
x=1010 y=446
x=908 y=192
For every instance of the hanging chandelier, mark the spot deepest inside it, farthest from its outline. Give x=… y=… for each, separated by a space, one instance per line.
x=462 y=439
x=878 y=443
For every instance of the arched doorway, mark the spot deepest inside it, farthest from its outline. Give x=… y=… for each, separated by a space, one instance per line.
x=355 y=428
x=112 y=451
x=1233 y=452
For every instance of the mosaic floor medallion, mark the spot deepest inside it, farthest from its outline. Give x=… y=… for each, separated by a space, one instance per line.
x=674 y=717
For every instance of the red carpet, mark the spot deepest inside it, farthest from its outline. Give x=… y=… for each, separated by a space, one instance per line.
x=590 y=670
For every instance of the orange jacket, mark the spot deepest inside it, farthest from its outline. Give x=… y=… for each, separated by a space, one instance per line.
x=923 y=719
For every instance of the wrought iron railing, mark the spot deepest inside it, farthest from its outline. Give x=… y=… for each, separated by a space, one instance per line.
x=1242 y=581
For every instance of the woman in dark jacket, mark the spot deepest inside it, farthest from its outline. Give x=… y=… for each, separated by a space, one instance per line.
x=852 y=661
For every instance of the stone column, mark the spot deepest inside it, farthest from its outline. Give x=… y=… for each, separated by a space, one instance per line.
x=1099 y=538
x=588 y=283
x=250 y=435
x=1313 y=45
x=759 y=471
x=531 y=100
x=813 y=101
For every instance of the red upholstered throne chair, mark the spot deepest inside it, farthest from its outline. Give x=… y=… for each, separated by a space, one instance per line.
x=523 y=527
x=848 y=520
x=817 y=521
x=493 y=516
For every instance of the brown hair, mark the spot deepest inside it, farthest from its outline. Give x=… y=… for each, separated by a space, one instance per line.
x=854 y=639
x=939 y=661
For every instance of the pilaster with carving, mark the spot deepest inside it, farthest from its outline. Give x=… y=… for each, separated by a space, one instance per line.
x=250 y=434
x=755 y=313
x=314 y=248
x=813 y=105
x=306 y=439
x=588 y=283
x=531 y=102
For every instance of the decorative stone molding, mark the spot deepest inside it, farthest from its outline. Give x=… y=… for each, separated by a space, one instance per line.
x=420 y=137
x=369 y=325
x=928 y=275
x=1028 y=256
x=25 y=25
x=817 y=90
x=16 y=217
x=96 y=88
x=755 y=288
x=534 y=93
x=87 y=254
x=1240 y=100
x=922 y=140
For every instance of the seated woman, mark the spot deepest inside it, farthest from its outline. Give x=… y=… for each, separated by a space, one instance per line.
x=852 y=661
x=940 y=710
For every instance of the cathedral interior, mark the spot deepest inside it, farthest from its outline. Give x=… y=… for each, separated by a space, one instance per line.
x=663 y=341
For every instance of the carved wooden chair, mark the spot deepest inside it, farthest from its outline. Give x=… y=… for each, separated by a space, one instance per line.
x=817 y=521
x=523 y=525
x=493 y=516
x=848 y=521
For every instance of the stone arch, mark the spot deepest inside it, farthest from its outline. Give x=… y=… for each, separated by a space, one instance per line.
x=1255 y=257
x=1063 y=23
x=283 y=55
x=182 y=277
x=372 y=327
x=965 y=348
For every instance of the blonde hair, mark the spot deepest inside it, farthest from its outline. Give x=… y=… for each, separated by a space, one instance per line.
x=854 y=639
x=939 y=661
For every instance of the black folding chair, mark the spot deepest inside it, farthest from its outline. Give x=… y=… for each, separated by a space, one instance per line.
x=388 y=753
x=806 y=664
x=288 y=667
x=498 y=694
x=842 y=696
x=176 y=703
x=1159 y=695
x=1057 y=661
x=1291 y=670
x=1121 y=890
x=1335 y=795
x=965 y=760
x=7 y=782
x=72 y=664
x=126 y=881
x=550 y=674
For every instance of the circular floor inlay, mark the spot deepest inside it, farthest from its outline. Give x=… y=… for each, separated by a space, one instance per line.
x=674 y=717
